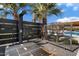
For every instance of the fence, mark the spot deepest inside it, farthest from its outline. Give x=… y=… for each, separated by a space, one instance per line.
x=9 y=32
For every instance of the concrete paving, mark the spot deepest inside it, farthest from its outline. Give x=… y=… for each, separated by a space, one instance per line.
x=31 y=49
x=2 y=51
x=19 y=49
x=59 y=51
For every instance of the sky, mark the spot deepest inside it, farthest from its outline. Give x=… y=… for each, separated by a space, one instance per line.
x=70 y=12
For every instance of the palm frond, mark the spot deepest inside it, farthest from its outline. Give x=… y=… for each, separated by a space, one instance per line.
x=55 y=11
x=22 y=4
x=23 y=12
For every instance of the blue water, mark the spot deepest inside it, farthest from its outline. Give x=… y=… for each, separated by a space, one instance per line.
x=73 y=33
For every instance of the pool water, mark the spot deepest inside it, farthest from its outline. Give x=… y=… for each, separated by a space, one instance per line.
x=73 y=33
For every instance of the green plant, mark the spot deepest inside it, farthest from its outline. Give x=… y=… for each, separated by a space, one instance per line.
x=75 y=42
x=67 y=42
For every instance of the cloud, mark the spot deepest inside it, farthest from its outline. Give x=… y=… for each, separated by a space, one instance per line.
x=59 y=4
x=68 y=19
x=69 y=5
x=75 y=8
x=63 y=10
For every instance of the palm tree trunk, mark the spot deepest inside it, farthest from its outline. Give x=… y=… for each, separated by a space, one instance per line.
x=18 y=27
x=56 y=34
x=34 y=18
x=42 y=35
x=45 y=27
x=40 y=21
x=16 y=16
x=17 y=30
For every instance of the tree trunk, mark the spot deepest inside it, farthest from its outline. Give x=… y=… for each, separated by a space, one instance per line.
x=56 y=33
x=16 y=16
x=42 y=34
x=45 y=27
x=18 y=27
x=40 y=21
x=34 y=18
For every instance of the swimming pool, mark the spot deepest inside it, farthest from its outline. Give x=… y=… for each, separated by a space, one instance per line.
x=74 y=33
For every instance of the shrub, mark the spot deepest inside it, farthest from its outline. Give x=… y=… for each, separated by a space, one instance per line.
x=67 y=42
x=75 y=42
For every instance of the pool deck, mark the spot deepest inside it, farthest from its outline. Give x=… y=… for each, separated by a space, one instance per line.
x=27 y=48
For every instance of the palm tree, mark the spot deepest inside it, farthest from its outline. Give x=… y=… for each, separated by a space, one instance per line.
x=34 y=11
x=13 y=9
x=42 y=11
x=49 y=10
